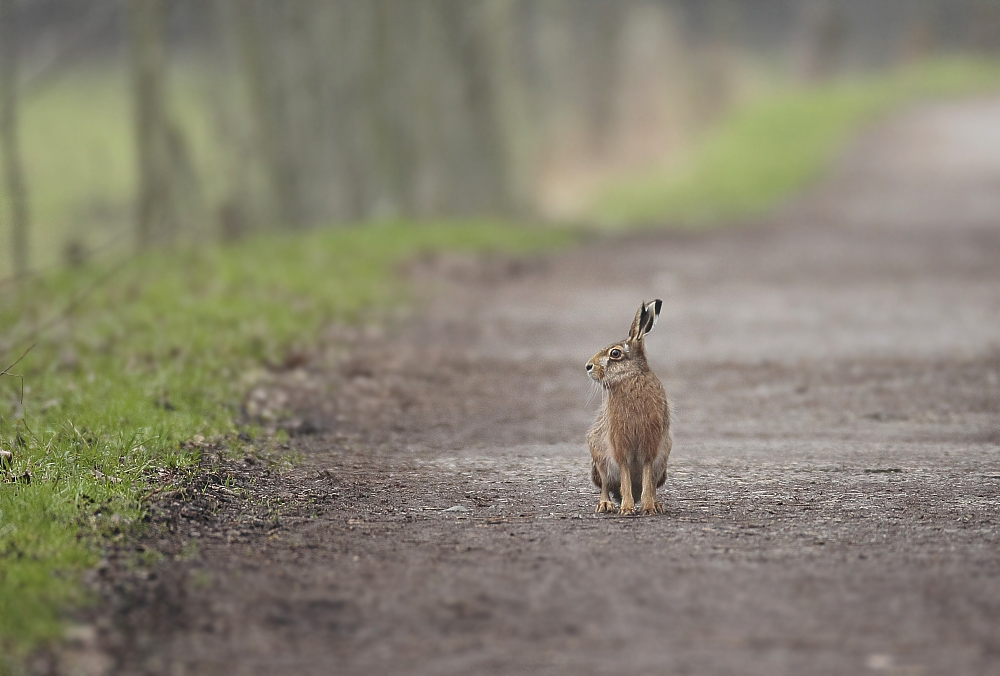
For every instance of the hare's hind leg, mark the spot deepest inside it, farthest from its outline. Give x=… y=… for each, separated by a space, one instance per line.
x=600 y=477
x=654 y=475
x=604 y=505
x=650 y=505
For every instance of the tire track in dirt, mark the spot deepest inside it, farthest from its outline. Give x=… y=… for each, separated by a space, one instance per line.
x=833 y=498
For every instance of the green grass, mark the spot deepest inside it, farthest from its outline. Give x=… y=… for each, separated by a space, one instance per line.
x=182 y=328
x=770 y=149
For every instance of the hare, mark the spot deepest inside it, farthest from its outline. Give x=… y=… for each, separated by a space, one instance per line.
x=630 y=440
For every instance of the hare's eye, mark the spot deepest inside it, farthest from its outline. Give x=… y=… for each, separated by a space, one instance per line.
x=616 y=353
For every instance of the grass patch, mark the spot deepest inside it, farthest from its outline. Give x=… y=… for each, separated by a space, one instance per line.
x=147 y=358
x=769 y=149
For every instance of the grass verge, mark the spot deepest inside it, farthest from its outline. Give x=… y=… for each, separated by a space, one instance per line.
x=768 y=150
x=130 y=362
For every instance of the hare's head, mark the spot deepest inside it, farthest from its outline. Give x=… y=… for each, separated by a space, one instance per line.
x=626 y=358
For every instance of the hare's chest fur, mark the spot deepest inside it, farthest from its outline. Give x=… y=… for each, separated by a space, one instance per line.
x=634 y=420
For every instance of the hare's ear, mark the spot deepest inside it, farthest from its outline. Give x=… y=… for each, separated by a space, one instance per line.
x=653 y=311
x=645 y=320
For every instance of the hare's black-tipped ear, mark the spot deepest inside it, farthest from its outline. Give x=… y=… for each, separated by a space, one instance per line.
x=645 y=319
x=653 y=313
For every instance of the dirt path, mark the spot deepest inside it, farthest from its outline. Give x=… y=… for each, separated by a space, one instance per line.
x=833 y=501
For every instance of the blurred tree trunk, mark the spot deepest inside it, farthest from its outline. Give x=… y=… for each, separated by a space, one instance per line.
x=243 y=21
x=388 y=200
x=918 y=40
x=157 y=214
x=483 y=170
x=9 y=141
x=512 y=109
x=717 y=68
x=822 y=34
x=600 y=27
x=985 y=31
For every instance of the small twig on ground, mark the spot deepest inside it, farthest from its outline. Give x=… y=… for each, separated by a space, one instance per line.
x=153 y=492
x=6 y=372
x=80 y=436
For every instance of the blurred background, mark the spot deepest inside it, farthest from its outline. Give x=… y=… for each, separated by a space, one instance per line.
x=148 y=122
x=196 y=193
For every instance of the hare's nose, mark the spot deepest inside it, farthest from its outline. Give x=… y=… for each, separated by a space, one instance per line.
x=590 y=367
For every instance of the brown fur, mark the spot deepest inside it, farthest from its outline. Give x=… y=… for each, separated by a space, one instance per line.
x=630 y=441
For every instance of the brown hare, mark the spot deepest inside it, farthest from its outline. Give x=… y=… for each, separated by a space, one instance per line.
x=630 y=440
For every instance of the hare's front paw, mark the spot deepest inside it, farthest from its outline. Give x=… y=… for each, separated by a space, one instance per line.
x=652 y=507
x=605 y=507
x=627 y=507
